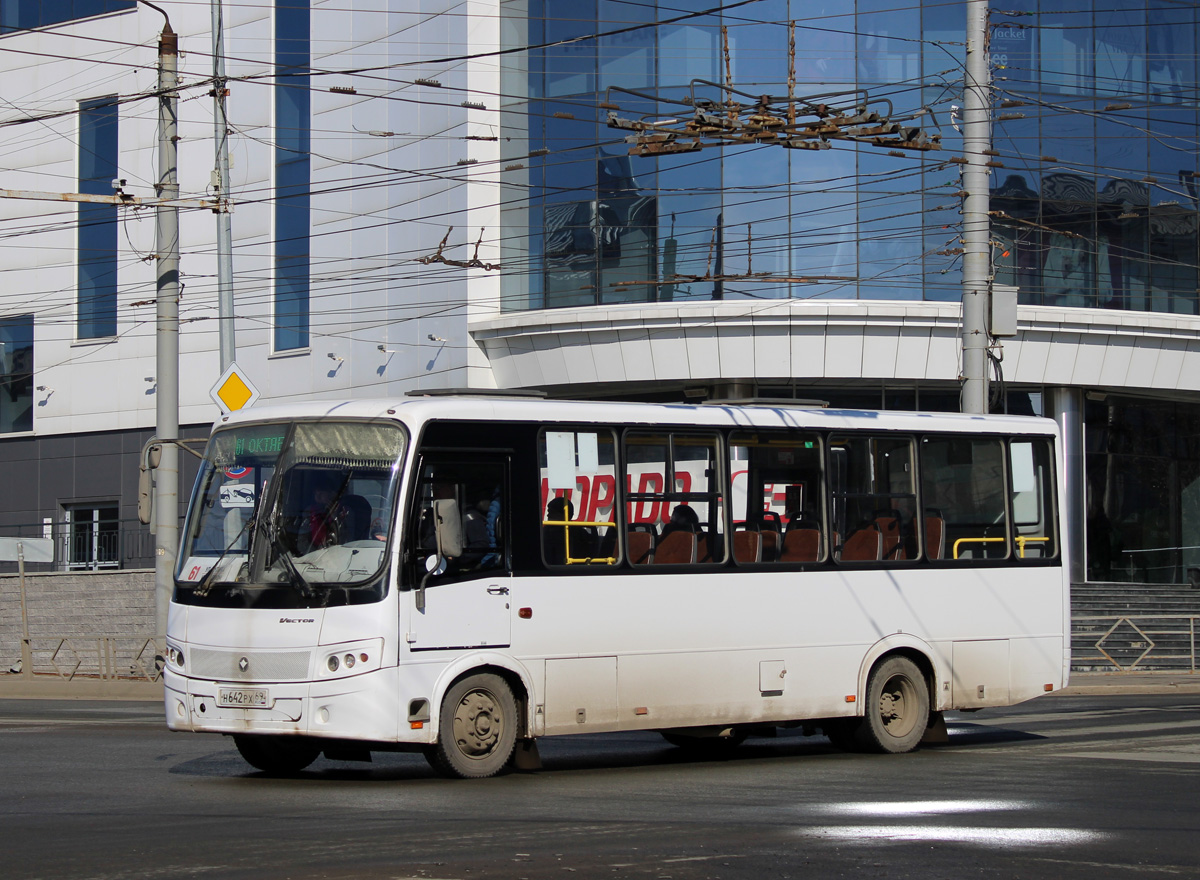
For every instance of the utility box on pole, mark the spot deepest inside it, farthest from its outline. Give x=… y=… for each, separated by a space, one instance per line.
x=1002 y=316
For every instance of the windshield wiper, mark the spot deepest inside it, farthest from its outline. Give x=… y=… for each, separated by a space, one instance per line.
x=206 y=583
x=271 y=532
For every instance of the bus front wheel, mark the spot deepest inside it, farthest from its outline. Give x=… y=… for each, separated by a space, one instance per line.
x=477 y=730
x=277 y=755
x=897 y=707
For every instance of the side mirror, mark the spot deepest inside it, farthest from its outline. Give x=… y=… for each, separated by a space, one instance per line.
x=150 y=459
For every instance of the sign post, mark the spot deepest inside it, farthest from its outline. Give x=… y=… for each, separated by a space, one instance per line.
x=15 y=550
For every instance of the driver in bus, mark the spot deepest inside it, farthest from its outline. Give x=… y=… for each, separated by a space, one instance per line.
x=321 y=522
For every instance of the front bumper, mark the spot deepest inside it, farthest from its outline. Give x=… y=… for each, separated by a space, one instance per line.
x=363 y=707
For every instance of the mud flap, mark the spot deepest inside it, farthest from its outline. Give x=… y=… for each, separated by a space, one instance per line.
x=525 y=755
x=935 y=731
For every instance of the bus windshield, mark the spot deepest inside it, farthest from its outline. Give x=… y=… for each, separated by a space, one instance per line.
x=291 y=514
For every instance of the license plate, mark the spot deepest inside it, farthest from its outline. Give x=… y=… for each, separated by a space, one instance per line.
x=243 y=698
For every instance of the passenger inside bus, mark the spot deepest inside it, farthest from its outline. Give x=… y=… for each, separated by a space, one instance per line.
x=560 y=535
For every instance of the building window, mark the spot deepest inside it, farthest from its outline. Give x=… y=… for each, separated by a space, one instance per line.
x=1143 y=491
x=16 y=374
x=97 y=276
x=20 y=15
x=92 y=535
x=292 y=175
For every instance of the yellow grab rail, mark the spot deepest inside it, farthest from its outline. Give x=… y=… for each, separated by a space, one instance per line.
x=567 y=525
x=1021 y=540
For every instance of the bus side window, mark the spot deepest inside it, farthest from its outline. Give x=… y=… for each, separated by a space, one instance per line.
x=478 y=488
x=578 y=485
x=1032 y=473
x=963 y=491
x=777 y=497
x=675 y=495
x=873 y=499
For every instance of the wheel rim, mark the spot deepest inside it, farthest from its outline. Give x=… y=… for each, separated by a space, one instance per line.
x=478 y=724
x=898 y=705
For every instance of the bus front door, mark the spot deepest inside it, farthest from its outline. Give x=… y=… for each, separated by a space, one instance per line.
x=466 y=614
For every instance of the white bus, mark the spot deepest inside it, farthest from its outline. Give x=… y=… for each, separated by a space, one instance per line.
x=463 y=575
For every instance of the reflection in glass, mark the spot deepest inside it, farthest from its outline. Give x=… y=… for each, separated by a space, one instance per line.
x=1095 y=194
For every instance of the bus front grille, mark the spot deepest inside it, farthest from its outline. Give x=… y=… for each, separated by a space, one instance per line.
x=249 y=665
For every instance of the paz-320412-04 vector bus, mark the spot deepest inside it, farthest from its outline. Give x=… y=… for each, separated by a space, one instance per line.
x=461 y=576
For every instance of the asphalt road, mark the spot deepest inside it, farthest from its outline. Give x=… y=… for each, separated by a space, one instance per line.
x=1064 y=787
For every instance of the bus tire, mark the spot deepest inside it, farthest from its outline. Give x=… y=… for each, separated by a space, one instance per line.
x=897 y=707
x=478 y=728
x=276 y=755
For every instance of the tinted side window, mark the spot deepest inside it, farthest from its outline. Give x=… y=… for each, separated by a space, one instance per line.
x=1031 y=464
x=578 y=474
x=963 y=490
x=873 y=499
x=777 y=498
x=675 y=504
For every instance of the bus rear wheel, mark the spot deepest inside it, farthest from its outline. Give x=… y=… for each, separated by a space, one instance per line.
x=277 y=755
x=897 y=707
x=477 y=730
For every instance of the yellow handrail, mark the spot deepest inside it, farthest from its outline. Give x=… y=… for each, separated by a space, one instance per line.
x=1021 y=540
x=567 y=525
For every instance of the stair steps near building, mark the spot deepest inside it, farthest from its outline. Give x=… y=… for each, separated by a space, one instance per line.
x=1134 y=627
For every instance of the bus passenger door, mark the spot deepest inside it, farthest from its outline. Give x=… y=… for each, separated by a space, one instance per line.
x=470 y=614
x=460 y=596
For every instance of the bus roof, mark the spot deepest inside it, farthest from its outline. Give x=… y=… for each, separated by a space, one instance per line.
x=414 y=411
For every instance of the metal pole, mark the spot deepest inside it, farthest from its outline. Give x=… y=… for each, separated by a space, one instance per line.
x=224 y=225
x=26 y=645
x=166 y=486
x=1065 y=406
x=977 y=142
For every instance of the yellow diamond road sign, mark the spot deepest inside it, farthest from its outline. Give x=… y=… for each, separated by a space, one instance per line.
x=233 y=390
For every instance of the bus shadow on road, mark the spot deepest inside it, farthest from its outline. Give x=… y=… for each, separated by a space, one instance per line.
x=593 y=752
x=964 y=733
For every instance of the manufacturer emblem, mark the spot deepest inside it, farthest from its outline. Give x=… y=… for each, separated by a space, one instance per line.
x=243 y=664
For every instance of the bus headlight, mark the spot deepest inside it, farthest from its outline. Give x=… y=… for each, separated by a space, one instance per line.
x=351 y=658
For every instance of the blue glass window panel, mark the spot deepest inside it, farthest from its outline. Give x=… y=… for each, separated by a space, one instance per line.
x=757 y=211
x=889 y=245
x=1013 y=46
x=570 y=68
x=824 y=46
x=889 y=43
x=96 y=277
x=626 y=228
x=823 y=217
x=292 y=176
x=689 y=205
x=1015 y=196
x=16 y=374
x=627 y=60
x=570 y=167
x=1120 y=67
x=24 y=14
x=689 y=50
x=1065 y=48
x=758 y=47
x=1171 y=51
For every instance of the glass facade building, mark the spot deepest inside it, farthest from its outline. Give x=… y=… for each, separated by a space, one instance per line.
x=1095 y=196
x=1094 y=184
x=293 y=175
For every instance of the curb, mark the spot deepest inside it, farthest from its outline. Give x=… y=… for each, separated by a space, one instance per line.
x=38 y=687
